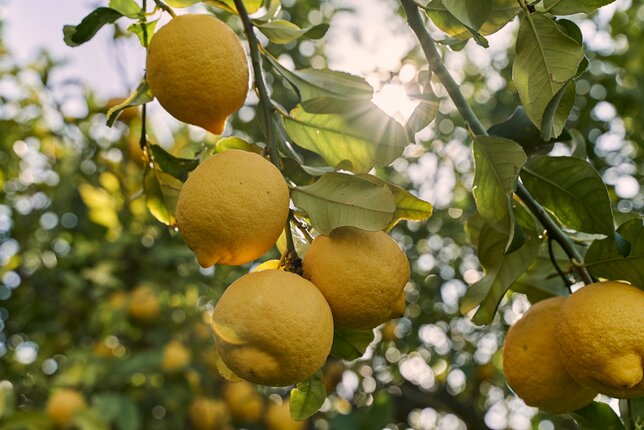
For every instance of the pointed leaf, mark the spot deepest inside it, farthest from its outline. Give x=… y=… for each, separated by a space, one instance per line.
x=520 y=129
x=557 y=111
x=141 y=95
x=603 y=257
x=471 y=13
x=161 y=192
x=338 y=199
x=127 y=8
x=307 y=397
x=89 y=26
x=497 y=163
x=252 y=6
x=501 y=12
x=597 y=416
x=181 y=3
x=175 y=166
x=350 y=344
x=572 y=190
x=545 y=59
x=569 y=7
x=144 y=36
x=422 y=116
x=280 y=31
x=234 y=142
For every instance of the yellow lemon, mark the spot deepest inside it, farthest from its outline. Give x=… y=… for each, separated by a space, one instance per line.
x=208 y=414
x=232 y=208
x=244 y=402
x=197 y=69
x=143 y=304
x=362 y=274
x=278 y=417
x=273 y=328
x=175 y=356
x=63 y=404
x=267 y=265
x=533 y=364
x=601 y=337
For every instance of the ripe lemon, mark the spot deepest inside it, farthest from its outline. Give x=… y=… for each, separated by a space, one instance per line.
x=197 y=69
x=232 y=208
x=273 y=328
x=361 y=273
x=63 y=404
x=208 y=414
x=267 y=265
x=143 y=304
x=533 y=365
x=278 y=417
x=244 y=402
x=601 y=337
x=175 y=356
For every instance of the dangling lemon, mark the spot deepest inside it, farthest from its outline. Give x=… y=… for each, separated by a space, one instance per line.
x=273 y=328
x=232 y=208
x=197 y=69
x=63 y=404
x=208 y=413
x=362 y=275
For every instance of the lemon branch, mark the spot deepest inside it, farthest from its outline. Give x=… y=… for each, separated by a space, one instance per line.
x=437 y=66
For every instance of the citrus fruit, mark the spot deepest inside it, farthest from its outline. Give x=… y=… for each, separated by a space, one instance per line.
x=273 y=328
x=63 y=404
x=278 y=417
x=197 y=69
x=208 y=414
x=601 y=337
x=362 y=275
x=267 y=265
x=232 y=208
x=143 y=304
x=533 y=365
x=175 y=356
x=244 y=402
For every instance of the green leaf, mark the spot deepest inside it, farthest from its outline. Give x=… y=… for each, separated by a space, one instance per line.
x=422 y=116
x=144 y=36
x=28 y=420
x=252 y=6
x=603 y=257
x=577 y=144
x=471 y=13
x=181 y=3
x=177 y=167
x=88 y=420
x=571 y=189
x=89 y=26
x=127 y=8
x=597 y=416
x=350 y=344
x=117 y=409
x=234 y=142
x=141 y=95
x=545 y=60
x=307 y=397
x=520 y=129
x=501 y=12
x=557 y=111
x=569 y=7
x=354 y=141
x=161 y=192
x=338 y=199
x=280 y=31
x=497 y=165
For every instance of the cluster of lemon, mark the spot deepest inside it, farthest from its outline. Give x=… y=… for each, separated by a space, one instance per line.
x=566 y=350
x=272 y=327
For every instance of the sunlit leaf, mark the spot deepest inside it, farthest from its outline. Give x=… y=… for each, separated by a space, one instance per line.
x=144 y=36
x=128 y=8
x=252 y=6
x=603 y=257
x=571 y=189
x=471 y=13
x=501 y=12
x=280 y=31
x=89 y=26
x=234 y=142
x=181 y=3
x=103 y=208
x=545 y=60
x=350 y=344
x=338 y=199
x=569 y=7
x=307 y=397
x=161 y=192
x=557 y=111
x=141 y=95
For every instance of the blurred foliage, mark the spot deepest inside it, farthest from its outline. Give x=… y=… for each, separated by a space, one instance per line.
x=93 y=288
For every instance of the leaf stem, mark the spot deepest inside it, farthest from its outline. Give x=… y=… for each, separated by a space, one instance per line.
x=143 y=141
x=165 y=7
x=436 y=64
x=260 y=85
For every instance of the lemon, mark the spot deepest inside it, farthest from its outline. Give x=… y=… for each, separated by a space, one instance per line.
x=267 y=265
x=278 y=417
x=208 y=414
x=601 y=337
x=143 y=304
x=362 y=275
x=533 y=365
x=232 y=208
x=63 y=404
x=175 y=356
x=273 y=328
x=197 y=69
x=244 y=402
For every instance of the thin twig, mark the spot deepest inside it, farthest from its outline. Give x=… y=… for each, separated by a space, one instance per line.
x=436 y=65
x=165 y=7
x=553 y=260
x=143 y=141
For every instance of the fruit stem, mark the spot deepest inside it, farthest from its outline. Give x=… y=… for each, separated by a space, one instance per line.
x=437 y=66
x=290 y=245
x=260 y=85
